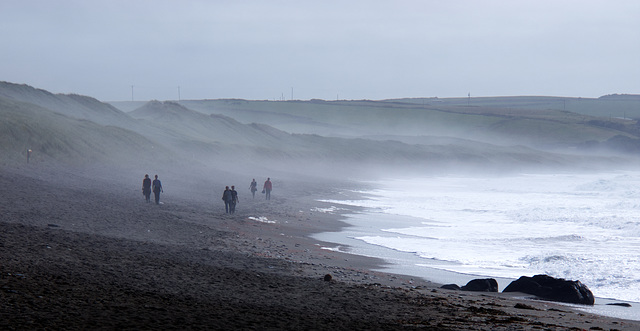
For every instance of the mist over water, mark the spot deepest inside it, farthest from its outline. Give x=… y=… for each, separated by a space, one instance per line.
x=575 y=226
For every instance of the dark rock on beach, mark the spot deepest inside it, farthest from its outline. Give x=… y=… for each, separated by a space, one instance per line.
x=454 y=287
x=481 y=285
x=475 y=285
x=554 y=289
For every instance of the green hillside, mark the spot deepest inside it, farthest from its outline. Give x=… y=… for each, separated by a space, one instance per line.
x=310 y=137
x=499 y=121
x=72 y=105
x=186 y=124
x=55 y=137
x=614 y=106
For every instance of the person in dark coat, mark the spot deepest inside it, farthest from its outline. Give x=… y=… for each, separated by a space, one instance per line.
x=253 y=187
x=146 y=188
x=157 y=188
x=227 y=198
x=234 y=200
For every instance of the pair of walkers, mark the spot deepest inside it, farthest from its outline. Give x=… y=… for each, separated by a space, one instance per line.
x=230 y=198
x=230 y=195
x=266 y=188
x=148 y=186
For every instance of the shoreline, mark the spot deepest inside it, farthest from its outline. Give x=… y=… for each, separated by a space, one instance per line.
x=396 y=262
x=77 y=256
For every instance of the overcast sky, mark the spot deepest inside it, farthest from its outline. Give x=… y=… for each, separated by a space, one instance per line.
x=321 y=49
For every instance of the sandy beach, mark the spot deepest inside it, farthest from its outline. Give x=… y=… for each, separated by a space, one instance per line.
x=78 y=253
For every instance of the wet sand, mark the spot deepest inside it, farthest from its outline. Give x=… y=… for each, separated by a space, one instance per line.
x=84 y=254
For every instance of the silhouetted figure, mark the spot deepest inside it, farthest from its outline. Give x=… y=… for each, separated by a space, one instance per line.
x=157 y=188
x=227 y=198
x=28 y=155
x=267 y=189
x=234 y=200
x=253 y=187
x=146 y=188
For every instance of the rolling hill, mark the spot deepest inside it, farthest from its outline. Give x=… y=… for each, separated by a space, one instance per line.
x=496 y=124
x=72 y=105
x=189 y=125
x=346 y=138
x=54 y=137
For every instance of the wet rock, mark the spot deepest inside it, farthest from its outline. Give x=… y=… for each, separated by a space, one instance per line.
x=553 y=289
x=475 y=285
x=450 y=287
x=481 y=285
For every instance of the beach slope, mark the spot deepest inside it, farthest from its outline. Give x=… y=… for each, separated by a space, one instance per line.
x=79 y=254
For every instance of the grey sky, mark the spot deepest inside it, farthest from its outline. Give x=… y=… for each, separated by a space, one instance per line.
x=322 y=49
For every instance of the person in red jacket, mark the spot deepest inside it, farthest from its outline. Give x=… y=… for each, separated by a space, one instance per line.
x=267 y=189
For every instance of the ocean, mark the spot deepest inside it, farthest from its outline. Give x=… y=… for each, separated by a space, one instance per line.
x=451 y=229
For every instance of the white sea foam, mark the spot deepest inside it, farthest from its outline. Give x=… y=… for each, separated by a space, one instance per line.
x=329 y=210
x=261 y=219
x=575 y=226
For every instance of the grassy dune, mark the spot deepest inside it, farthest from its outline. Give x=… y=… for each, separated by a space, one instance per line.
x=56 y=137
x=509 y=122
x=344 y=137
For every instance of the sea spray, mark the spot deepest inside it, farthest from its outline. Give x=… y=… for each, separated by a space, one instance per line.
x=572 y=226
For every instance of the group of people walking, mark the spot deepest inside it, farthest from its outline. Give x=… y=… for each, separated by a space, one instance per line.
x=266 y=188
x=148 y=187
x=229 y=196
